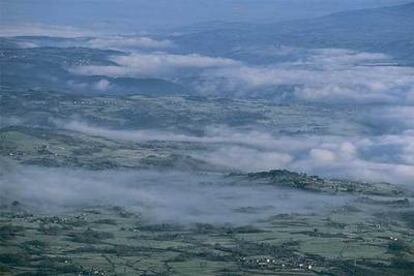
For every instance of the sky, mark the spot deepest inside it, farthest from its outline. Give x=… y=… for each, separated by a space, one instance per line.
x=144 y=15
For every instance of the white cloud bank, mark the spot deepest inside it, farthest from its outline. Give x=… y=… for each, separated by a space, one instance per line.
x=167 y=196
x=324 y=75
x=387 y=157
x=89 y=38
x=379 y=158
x=154 y=65
x=128 y=42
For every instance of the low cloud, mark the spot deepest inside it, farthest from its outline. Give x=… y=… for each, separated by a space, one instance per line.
x=101 y=85
x=321 y=75
x=212 y=134
x=168 y=196
x=381 y=158
x=325 y=75
x=385 y=157
x=128 y=43
x=154 y=65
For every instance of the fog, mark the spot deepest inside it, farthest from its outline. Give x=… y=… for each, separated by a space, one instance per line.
x=334 y=76
x=382 y=157
x=160 y=197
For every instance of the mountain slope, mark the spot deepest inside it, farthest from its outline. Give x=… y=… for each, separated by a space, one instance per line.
x=389 y=30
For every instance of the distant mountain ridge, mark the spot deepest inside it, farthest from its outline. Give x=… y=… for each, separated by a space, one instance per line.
x=389 y=30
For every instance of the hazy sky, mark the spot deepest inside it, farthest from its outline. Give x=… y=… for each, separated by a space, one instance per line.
x=147 y=15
